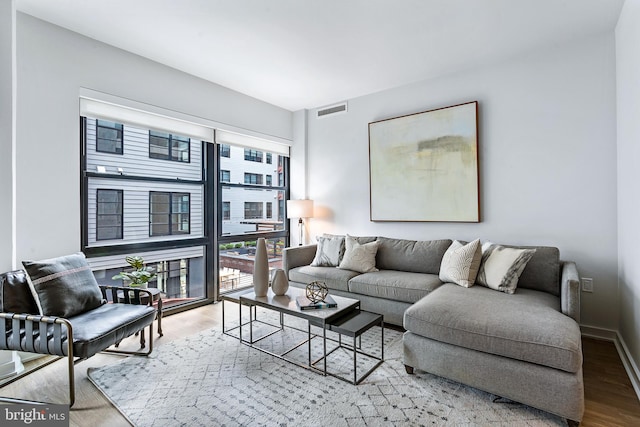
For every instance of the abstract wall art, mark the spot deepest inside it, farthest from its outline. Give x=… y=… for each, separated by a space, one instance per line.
x=424 y=166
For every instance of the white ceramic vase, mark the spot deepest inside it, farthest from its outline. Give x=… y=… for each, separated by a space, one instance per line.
x=261 y=269
x=280 y=283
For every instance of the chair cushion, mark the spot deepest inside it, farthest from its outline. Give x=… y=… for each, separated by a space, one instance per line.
x=106 y=325
x=411 y=255
x=333 y=277
x=526 y=326
x=63 y=286
x=394 y=285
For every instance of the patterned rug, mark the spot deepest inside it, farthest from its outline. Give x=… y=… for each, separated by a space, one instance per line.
x=211 y=379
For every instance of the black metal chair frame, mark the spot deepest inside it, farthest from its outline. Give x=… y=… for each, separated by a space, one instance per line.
x=36 y=326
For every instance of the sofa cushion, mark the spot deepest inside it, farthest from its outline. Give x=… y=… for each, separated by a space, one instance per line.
x=333 y=277
x=461 y=263
x=411 y=255
x=501 y=267
x=63 y=286
x=526 y=326
x=394 y=285
x=359 y=257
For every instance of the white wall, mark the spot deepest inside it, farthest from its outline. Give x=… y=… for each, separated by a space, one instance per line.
x=7 y=98
x=547 y=134
x=53 y=64
x=628 y=113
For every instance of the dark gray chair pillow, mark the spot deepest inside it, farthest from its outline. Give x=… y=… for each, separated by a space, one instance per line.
x=63 y=286
x=15 y=295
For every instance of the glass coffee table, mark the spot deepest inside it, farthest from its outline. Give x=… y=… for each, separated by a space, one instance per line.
x=344 y=320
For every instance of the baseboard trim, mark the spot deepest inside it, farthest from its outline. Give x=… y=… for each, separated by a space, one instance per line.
x=623 y=351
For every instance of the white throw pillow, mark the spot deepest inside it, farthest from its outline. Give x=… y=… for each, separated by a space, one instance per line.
x=461 y=263
x=357 y=257
x=501 y=267
x=329 y=251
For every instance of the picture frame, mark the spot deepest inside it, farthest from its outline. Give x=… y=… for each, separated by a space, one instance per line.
x=423 y=167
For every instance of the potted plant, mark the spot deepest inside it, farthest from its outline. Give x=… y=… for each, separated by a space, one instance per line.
x=139 y=277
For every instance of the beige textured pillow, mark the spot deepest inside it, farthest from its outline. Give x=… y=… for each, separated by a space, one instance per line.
x=501 y=267
x=357 y=257
x=461 y=263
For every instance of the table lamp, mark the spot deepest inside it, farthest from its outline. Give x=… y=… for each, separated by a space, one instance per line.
x=300 y=209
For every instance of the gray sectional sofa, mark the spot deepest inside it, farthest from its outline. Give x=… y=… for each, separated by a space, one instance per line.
x=524 y=346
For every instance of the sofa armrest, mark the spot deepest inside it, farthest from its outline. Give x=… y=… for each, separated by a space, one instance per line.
x=297 y=256
x=570 y=290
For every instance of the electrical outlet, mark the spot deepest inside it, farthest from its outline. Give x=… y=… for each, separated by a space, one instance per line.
x=587 y=284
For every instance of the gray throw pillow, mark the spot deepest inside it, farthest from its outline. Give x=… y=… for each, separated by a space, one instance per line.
x=63 y=286
x=329 y=252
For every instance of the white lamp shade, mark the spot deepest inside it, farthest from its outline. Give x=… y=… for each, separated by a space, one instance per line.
x=299 y=208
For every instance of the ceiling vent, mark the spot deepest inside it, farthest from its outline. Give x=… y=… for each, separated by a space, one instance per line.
x=332 y=110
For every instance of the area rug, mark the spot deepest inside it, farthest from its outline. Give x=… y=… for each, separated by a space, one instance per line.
x=211 y=379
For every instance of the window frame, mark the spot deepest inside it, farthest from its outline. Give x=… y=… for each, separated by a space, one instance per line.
x=251 y=155
x=252 y=208
x=258 y=178
x=121 y=214
x=268 y=214
x=120 y=130
x=170 y=214
x=226 y=211
x=170 y=140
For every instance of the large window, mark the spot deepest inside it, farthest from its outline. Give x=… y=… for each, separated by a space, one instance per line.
x=109 y=137
x=140 y=204
x=165 y=195
x=251 y=209
x=167 y=146
x=168 y=213
x=109 y=214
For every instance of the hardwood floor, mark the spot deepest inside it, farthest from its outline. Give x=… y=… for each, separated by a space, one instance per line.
x=609 y=397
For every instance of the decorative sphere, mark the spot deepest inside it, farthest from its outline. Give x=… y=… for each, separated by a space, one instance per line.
x=316 y=291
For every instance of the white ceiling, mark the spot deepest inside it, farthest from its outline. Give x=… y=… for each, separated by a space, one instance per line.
x=309 y=53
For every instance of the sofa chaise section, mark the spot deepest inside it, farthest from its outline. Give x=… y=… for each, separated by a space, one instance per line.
x=525 y=347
